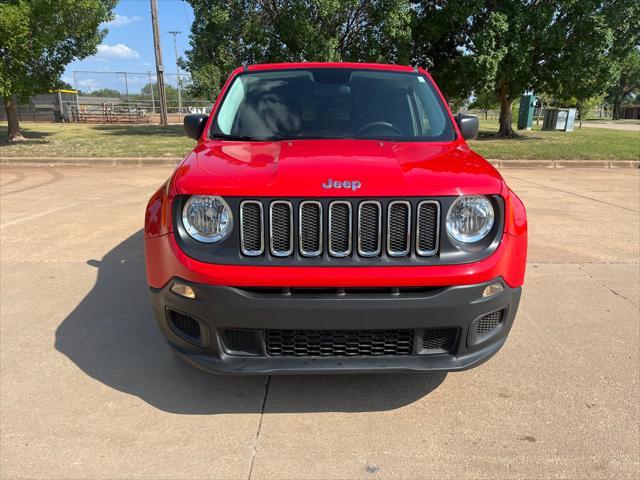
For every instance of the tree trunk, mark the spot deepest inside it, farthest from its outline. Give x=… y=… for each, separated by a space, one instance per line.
x=13 y=119
x=616 y=110
x=506 y=129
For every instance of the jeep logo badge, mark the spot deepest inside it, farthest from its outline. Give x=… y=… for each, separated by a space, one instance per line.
x=352 y=184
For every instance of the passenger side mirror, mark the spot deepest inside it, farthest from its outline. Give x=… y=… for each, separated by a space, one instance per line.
x=194 y=124
x=468 y=125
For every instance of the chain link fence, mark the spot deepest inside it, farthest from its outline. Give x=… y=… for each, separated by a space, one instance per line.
x=113 y=97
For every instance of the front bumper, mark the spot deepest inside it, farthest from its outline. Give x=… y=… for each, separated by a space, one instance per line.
x=220 y=308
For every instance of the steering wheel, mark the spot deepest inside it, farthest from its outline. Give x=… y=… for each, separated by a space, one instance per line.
x=363 y=130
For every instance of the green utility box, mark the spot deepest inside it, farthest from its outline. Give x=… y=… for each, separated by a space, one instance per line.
x=525 y=115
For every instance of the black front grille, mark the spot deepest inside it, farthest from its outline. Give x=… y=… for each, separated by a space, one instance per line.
x=340 y=343
x=281 y=228
x=398 y=228
x=185 y=325
x=340 y=229
x=369 y=227
x=439 y=339
x=252 y=228
x=489 y=322
x=310 y=229
x=427 y=230
x=241 y=341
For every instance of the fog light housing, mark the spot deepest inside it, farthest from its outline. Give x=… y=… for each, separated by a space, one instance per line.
x=183 y=290
x=491 y=290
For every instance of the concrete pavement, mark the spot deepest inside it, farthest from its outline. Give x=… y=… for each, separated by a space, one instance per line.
x=90 y=390
x=629 y=127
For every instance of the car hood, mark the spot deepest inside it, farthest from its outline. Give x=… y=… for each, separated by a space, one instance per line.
x=307 y=167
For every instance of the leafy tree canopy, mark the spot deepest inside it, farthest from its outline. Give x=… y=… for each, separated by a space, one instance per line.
x=561 y=46
x=228 y=33
x=38 y=38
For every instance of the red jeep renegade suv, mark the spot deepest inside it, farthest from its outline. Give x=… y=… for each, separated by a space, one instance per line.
x=333 y=219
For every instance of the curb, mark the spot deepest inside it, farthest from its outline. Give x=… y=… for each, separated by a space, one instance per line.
x=565 y=163
x=92 y=161
x=173 y=161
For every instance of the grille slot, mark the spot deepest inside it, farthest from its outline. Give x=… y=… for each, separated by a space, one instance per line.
x=281 y=227
x=252 y=228
x=439 y=340
x=340 y=228
x=339 y=343
x=310 y=228
x=489 y=322
x=185 y=325
x=369 y=229
x=398 y=228
x=241 y=341
x=427 y=228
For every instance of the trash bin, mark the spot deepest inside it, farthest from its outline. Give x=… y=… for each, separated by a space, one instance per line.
x=525 y=114
x=562 y=119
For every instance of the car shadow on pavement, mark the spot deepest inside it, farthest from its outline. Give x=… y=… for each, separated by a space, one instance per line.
x=112 y=336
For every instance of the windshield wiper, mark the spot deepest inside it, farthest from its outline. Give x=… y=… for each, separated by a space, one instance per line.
x=224 y=136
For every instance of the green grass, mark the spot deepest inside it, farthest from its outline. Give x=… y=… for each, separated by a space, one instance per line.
x=64 y=140
x=81 y=140
x=584 y=144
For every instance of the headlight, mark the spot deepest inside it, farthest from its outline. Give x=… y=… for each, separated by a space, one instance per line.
x=207 y=219
x=470 y=218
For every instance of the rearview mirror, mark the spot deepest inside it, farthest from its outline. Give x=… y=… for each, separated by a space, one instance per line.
x=468 y=125
x=194 y=124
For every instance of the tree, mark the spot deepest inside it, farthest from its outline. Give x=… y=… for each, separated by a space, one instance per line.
x=38 y=38
x=170 y=91
x=457 y=44
x=228 y=33
x=626 y=83
x=485 y=101
x=106 y=92
x=547 y=46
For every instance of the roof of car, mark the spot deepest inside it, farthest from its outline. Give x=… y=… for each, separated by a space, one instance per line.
x=371 y=66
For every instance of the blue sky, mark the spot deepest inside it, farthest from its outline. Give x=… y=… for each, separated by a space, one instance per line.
x=129 y=46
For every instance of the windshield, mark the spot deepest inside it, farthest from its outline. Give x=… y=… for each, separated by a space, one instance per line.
x=332 y=103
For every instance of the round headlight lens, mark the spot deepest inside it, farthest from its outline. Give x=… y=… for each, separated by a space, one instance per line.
x=207 y=219
x=470 y=218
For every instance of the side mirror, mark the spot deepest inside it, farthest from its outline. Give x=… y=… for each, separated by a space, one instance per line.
x=194 y=124
x=468 y=125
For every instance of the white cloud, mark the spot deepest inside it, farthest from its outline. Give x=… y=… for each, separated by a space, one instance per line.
x=122 y=20
x=146 y=64
x=88 y=84
x=119 y=51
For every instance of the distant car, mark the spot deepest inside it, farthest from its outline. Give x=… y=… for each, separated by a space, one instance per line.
x=332 y=218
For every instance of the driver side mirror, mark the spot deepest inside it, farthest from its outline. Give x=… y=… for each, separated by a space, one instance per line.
x=194 y=125
x=468 y=125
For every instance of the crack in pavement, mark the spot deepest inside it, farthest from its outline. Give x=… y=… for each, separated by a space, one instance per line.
x=590 y=275
x=575 y=194
x=254 y=447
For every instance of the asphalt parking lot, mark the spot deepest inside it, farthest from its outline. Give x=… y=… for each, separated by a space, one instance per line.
x=90 y=390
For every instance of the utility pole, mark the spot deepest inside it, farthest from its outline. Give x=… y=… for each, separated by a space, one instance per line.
x=175 y=49
x=159 y=67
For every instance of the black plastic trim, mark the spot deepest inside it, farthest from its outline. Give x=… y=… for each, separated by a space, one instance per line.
x=220 y=307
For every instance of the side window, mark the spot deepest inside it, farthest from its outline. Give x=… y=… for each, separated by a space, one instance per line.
x=423 y=118
x=229 y=108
